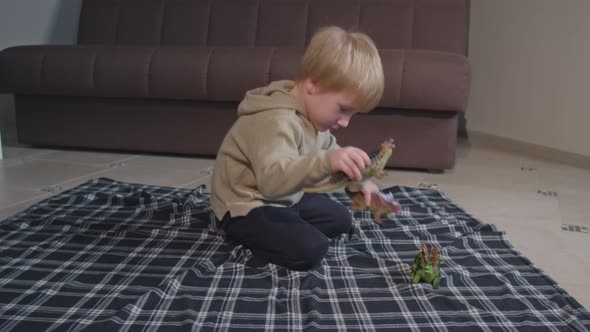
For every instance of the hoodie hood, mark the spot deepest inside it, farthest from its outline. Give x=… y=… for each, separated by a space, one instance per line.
x=274 y=96
x=269 y=153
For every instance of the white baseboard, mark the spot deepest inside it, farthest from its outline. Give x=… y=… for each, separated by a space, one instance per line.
x=533 y=150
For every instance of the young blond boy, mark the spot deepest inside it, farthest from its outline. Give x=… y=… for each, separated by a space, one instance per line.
x=282 y=143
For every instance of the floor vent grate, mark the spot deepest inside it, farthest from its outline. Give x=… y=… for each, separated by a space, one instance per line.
x=428 y=185
x=547 y=193
x=574 y=228
x=52 y=189
x=528 y=169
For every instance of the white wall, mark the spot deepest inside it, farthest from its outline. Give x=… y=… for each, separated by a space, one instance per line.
x=531 y=72
x=33 y=22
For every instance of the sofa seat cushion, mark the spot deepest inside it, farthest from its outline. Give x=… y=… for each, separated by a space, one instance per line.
x=414 y=79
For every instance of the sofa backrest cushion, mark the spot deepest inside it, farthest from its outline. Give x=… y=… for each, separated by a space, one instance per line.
x=414 y=79
x=393 y=24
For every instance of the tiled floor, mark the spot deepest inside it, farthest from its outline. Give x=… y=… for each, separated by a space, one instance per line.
x=528 y=198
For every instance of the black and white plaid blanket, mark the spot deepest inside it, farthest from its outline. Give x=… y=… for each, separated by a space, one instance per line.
x=110 y=256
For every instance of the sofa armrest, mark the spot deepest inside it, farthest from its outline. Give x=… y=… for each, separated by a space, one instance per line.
x=414 y=79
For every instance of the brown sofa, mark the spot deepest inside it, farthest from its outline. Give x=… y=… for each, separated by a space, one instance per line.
x=167 y=75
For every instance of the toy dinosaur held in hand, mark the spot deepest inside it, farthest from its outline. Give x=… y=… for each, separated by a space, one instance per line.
x=378 y=161
x=381 y=203
x=426 y=267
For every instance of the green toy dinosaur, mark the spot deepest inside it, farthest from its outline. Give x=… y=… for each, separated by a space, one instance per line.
x=378 y=161
x=426 y=267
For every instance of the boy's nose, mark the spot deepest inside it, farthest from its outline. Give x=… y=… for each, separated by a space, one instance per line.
x=343 y=123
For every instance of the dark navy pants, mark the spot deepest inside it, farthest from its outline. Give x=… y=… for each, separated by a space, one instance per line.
x=295 y=237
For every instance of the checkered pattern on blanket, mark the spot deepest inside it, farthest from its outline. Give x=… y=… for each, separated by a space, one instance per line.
x=108 y=256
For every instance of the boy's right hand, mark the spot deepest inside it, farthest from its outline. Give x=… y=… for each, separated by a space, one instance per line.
x=350 y=160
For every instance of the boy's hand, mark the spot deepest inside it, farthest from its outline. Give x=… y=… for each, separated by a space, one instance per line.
x=350 y=160
x=368 y=188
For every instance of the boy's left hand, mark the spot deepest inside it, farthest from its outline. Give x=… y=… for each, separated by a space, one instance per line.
x=368 y=188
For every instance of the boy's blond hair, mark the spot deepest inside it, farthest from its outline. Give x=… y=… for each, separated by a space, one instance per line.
x=343 y=60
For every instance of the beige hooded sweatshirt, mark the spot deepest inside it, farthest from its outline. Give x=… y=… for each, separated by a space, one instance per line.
x=271 y=152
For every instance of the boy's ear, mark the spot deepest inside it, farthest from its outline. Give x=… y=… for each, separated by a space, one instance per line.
x=311 y=86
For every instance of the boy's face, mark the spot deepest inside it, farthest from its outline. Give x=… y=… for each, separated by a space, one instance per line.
x=328 y=110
